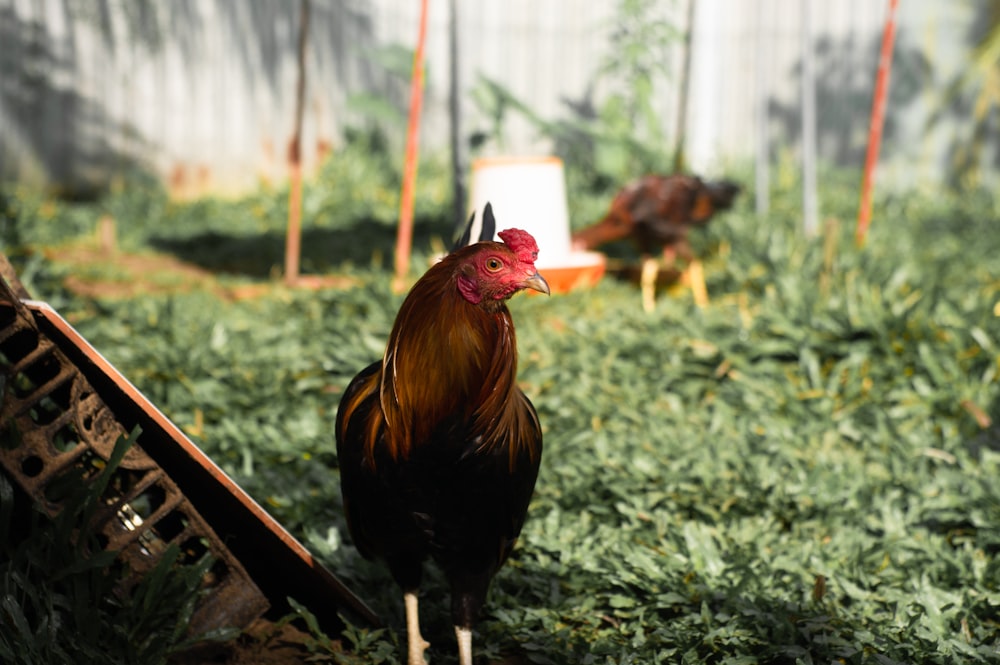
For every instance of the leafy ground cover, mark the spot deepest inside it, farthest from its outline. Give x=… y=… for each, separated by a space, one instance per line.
x=805 y=471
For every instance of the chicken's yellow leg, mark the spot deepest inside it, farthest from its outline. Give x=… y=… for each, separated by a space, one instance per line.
x=464 y=637
x=696 y=280
x=416 y=644
x=647 y=282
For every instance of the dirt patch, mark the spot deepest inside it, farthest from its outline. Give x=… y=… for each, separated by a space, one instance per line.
x=264 y=643
x=102 y=273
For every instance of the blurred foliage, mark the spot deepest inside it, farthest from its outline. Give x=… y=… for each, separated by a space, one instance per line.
x=802 y=472
x=984 y=71
x=639 y=59
x=62 y=598
x=386 y=108
x=610 y=138
x=350 y=209
x=975 y=96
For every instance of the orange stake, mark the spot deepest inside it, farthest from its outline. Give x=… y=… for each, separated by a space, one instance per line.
x=293 y=241
x=877 y=120
x=404 y=234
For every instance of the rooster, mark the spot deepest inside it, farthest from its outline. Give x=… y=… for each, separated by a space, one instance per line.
x=657 y=212
x=438 y=447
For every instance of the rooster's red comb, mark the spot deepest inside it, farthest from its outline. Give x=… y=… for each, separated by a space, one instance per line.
x=521 y=243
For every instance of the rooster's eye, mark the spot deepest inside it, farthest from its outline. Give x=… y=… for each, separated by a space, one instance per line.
x=493 y=264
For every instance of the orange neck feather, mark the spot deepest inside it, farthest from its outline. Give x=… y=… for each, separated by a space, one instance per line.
x=446 y=354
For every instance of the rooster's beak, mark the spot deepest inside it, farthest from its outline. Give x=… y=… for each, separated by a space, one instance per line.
x=536 y=282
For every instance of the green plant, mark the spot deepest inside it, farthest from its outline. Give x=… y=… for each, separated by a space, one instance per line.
x=61 y=595
x=365 y=646
x=612 y=139
x=982 y=80
x=637 y=67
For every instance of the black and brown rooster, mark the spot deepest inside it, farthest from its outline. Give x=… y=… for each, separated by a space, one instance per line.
x=438 y=447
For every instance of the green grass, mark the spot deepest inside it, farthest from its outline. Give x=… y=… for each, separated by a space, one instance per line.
x=63 y=598
x=794 y=474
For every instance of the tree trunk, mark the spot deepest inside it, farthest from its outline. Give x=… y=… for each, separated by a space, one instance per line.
x=293 y=240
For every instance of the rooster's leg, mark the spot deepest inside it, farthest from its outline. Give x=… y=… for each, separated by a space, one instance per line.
x=464 y=637
x=696 y=280
x=647 y=282
x=416 y=644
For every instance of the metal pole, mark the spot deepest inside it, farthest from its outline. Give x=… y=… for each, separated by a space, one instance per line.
x=810 y=213
x=680 y=159
x=455 y=115
x=763 y=157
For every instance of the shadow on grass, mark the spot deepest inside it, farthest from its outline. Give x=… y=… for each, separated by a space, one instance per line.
x=703 y=624
x=323 y=249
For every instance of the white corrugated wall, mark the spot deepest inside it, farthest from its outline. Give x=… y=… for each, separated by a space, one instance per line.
x=201 y=91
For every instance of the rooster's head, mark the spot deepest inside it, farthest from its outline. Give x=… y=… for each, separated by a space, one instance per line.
x=493 y=271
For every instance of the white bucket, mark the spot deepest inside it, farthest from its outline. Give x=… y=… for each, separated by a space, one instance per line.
x=526 y=193
x=530 y=193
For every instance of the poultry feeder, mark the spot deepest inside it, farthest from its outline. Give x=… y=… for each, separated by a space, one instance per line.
x=530 y=193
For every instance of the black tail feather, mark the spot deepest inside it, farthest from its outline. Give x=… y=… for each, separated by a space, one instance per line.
x=463 y=240
x=489 y=223
x=486 y=233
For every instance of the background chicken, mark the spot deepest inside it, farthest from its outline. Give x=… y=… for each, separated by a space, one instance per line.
x=657 y=212
x=438 y=447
